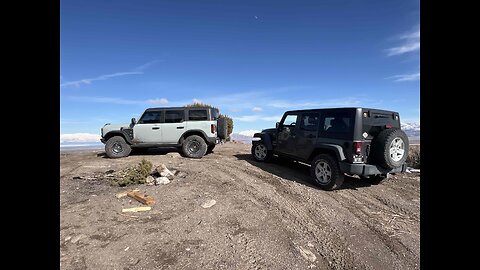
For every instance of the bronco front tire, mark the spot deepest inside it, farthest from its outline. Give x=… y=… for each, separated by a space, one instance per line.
x=117 y=147
x=326 y=172
x=194 y=146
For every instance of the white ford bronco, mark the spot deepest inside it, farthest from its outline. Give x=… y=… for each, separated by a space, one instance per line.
x=193 y=130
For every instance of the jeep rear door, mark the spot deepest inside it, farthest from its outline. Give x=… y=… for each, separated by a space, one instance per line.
x=148 y=129
x=307 y=134
x=173 y=127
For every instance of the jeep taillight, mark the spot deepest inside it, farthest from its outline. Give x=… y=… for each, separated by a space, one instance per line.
x=213 y=128
x=357 y=147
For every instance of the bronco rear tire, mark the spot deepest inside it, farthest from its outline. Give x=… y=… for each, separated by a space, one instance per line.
x=117 y=147
x=326 y=172
x=260 y=152
x=390 y=148
x=194 y=146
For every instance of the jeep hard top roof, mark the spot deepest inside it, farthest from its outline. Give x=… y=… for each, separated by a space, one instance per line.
x=178 y=108
x=344 y=108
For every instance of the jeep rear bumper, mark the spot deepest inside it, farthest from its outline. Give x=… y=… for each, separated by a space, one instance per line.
x=367 y=169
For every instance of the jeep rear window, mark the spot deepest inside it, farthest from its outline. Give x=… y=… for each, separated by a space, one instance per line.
x=197 y=115
x=174 y=116
x=151 y=117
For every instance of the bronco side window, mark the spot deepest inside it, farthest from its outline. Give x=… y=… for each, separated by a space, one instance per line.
x=151 y=117
x=197 y=115
x=174 y=116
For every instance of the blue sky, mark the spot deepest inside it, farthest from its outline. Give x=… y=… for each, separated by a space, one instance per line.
x=252 y=59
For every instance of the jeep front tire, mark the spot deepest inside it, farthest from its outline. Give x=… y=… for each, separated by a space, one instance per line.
x=260 y=152
x=194 y=146
x=326 y=172
x=117 y=147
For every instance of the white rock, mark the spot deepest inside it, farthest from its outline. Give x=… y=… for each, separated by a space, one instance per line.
x=209 y=203
x=307 y=254
x=78 y=237
x=150 y=180
x=162 y=180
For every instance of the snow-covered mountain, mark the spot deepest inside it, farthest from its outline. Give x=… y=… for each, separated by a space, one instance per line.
x=411 y=129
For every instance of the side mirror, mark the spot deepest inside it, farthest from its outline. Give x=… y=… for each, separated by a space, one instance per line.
x=277 y=125
x=134 y=121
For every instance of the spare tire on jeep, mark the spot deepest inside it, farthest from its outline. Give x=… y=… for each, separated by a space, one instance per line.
x=222 y=129
x=390 y=148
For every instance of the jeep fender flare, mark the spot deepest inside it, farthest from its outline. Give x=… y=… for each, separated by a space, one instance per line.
x=337 y=149
x=118 y=132
x=265 y=139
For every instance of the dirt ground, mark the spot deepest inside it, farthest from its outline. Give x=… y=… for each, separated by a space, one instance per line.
x=266 y=216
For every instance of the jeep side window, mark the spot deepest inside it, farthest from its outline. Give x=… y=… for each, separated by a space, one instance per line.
x=174 y=116
x=339 y=124
x=151 y=117
x=290 y=120
x=309 y=121
x=197 y=115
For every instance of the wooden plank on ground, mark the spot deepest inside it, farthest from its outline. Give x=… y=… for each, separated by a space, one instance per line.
x=141 y=198
x=124 y=193
x=136 y=209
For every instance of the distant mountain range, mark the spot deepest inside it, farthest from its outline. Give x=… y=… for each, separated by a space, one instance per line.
x=411 y=129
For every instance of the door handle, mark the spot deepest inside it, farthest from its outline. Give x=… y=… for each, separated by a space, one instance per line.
x=180 y=127
x=155 y=128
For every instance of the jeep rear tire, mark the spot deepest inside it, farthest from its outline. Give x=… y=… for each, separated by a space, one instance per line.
x=326 y=172
x=116 y=147
x=260 y=152
x=390 y=148
x=194 y=146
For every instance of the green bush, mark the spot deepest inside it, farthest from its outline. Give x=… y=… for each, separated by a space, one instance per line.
x=134 y=175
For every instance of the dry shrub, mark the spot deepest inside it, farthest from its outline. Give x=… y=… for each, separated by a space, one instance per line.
x=413 y=159
x=134 y=175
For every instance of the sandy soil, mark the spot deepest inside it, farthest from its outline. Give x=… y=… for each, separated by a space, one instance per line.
x=266 y=216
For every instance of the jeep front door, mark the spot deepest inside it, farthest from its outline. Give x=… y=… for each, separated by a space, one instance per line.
x=148 y=129
x=174 y=126
x=287 y=134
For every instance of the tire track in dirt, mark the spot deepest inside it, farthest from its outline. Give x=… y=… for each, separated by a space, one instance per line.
x=305 y=225
x=348 y=202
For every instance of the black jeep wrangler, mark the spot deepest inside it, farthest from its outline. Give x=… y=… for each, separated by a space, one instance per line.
x=356 y=141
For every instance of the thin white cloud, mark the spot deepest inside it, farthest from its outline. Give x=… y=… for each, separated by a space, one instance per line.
x=248 y=133
x=99 y=78
x=254 y=118
x=411 y=43
x=118 y=100
x=406 y=77
x=257 y=109
x=158 y=101
x=79 y=137
x=138 y=70
x=146 y=65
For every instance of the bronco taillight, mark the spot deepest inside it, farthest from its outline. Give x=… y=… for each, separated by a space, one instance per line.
x=213 y=128
x=357 y=147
